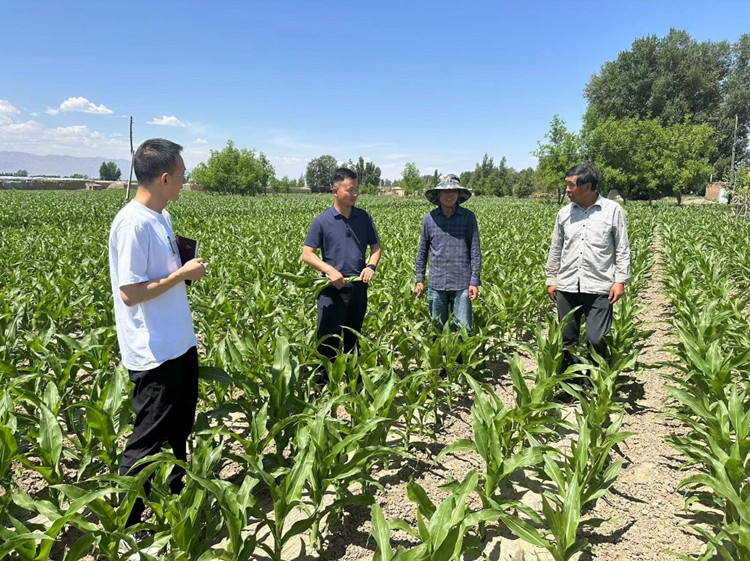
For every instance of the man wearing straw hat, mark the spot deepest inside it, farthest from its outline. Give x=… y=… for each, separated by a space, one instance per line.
x=450 y=241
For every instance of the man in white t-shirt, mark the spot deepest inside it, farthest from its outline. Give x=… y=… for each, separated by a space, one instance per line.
x=152 y=315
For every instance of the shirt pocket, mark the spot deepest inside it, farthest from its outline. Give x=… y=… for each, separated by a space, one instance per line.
x=601 y=235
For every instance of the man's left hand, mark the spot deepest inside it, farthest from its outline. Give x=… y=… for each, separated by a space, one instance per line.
x=616 y=292
x=473 y=292
x=366 y=274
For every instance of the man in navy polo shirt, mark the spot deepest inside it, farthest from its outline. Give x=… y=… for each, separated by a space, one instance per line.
x=342 y=234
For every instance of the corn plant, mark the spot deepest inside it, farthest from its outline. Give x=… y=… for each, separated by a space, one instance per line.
x=285 y=486
x=341 y=457
x=445 y=531
x=501 y=436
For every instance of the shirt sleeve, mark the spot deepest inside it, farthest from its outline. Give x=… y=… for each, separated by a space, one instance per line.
x=622 y=248
x=132 y=255
x=372 y=233
x=315 y=235
x=555 y=252
x=424 y=248
x=476 y=253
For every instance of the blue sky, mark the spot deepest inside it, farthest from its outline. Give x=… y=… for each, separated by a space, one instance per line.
x=435 y=83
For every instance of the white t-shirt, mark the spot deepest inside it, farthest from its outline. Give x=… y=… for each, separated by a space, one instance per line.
x=142 y=247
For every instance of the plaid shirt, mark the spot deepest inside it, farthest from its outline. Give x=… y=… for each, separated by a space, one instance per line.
x=452 y=245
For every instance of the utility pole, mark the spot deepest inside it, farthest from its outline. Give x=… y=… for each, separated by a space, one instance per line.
x=734 y=144
x=130 y=177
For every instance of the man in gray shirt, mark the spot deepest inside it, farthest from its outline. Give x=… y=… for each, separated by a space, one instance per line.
x=589 y=260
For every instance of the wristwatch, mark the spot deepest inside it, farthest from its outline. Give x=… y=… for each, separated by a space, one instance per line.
x=371 y=266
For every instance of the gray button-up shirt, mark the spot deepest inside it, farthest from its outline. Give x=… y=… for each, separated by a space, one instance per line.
x=590 y=249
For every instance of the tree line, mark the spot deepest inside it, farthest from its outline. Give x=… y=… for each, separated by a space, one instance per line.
x=662 y=118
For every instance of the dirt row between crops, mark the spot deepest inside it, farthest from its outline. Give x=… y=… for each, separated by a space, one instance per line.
x=644 y=509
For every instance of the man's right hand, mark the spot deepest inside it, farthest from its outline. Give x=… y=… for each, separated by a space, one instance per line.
x=419 y=289
x=193 y=270
x=336 y=278
x=552 y=293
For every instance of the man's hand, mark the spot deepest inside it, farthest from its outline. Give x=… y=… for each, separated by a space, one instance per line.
x=193 y=270
x=336 y=278
x=366 y=274
x=473 y=292
x=419 y=289
x=616 y=292
x=552 y=292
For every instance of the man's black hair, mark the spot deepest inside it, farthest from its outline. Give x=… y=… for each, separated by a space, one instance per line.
x=584 y=173
x=154 y=157
x=342 y=174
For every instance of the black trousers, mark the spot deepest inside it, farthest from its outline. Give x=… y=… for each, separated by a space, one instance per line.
x=164 y=401
x=598 y=313
x=339 y=308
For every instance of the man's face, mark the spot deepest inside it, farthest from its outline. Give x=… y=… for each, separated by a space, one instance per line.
x=346 y=192
x=574 y=191
x=175 y=180
x=448 y=197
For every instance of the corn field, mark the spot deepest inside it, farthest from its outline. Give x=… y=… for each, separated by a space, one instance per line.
x=276 y=461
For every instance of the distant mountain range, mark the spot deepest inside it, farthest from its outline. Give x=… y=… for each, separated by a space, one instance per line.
x=64 y=166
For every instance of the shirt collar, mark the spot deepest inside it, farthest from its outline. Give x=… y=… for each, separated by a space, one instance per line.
x=336 y=213
x=597 y=202
x=458 y=210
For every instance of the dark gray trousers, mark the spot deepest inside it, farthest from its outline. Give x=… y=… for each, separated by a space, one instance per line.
x=597 y=311
x=164 y=402
x=339 y=308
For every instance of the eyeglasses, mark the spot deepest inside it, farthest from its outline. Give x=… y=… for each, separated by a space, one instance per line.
x=182 y=175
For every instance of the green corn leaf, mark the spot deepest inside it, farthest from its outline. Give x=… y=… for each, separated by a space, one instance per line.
x=417 y=495
x=381 y=533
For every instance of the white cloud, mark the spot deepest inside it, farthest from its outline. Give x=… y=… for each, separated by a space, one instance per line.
x=76 y=140
x=7 y=109
x=81 y=105
x=200 y=141
x=167 y=121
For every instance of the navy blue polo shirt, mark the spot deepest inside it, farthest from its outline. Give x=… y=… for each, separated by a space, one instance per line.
x=342 y=242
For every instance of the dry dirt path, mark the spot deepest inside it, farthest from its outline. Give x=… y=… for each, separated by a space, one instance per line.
x=646 y=509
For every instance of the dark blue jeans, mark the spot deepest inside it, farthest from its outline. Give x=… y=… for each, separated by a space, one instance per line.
x=441 y=302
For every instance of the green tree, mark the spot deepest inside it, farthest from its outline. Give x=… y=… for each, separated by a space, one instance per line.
x=234 y=171
x=109 y=171
x=506 y=178
x=368 y=175
x=282 y=185
x=676 y=79
x=21 y=173
x=411 y=181
x=645 y=159
x=79 y=176
x=556 y=156
x=319 y=173
x=524 y=183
